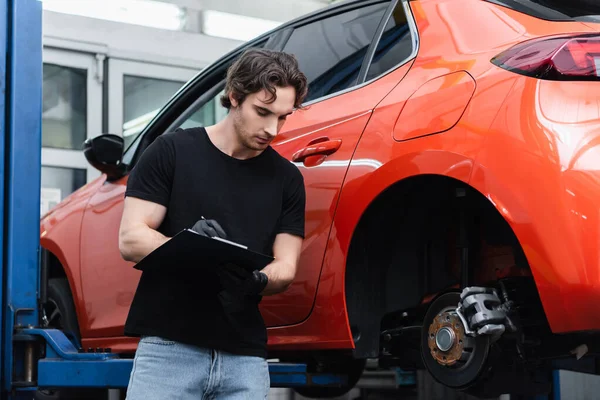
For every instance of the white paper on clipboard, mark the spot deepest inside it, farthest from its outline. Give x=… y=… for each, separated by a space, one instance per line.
x=230 y=242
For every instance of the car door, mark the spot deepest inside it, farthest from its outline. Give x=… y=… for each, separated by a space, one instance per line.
x=333 y=52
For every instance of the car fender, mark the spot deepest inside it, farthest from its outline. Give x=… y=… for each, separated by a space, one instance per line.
x=540 y=168
x=60 y=234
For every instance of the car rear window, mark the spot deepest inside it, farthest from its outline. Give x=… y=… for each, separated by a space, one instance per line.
x=556 y=10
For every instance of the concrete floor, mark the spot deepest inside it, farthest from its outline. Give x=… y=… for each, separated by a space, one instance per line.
x=381 y=386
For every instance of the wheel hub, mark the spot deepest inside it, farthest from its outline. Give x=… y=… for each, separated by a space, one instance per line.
x=446 y=338
x=453 y=358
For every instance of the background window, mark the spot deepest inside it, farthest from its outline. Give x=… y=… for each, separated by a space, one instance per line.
x=58 y=183
x=331 y=51
x=142 y=99
x=395 y=45
x=64 y=107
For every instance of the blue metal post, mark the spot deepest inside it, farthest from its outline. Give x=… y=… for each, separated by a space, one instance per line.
x=556 y=384
x=22 y=163
x=3 y=76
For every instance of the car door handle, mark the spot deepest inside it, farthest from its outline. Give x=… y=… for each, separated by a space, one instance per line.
x=324 y=148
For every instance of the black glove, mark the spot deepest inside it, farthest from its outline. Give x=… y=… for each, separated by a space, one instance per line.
x=209 y=228
x=239 y=280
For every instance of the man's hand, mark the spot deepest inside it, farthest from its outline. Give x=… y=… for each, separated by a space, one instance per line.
x=236 y=279
x=209 y=228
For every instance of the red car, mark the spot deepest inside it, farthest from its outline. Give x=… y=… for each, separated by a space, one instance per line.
x=451 y=156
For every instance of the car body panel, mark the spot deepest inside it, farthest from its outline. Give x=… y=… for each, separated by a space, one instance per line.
x=549 y=191
x=594 y=26
x=108 y=281
x=59 y=234
x=435 y=107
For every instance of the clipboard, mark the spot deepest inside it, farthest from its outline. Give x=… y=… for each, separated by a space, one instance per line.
x=188 y=250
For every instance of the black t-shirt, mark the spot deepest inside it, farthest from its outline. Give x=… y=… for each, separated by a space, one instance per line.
x=253 y=200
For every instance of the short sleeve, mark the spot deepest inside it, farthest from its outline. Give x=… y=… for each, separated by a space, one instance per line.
x=293 y=206
x=151 y=178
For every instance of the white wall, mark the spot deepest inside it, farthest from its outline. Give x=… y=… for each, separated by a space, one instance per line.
x=274 y=10
x=127 y=41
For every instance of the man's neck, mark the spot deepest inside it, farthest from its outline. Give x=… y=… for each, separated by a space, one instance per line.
x=223 y=136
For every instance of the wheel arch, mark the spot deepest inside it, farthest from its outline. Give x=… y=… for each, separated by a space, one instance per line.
x=515 y=207
x=407 y=211
x=53 y=264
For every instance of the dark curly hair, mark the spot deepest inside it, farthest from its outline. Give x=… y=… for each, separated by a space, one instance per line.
x=258 y=69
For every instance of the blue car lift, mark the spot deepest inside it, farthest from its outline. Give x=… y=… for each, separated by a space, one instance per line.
x=32 y=357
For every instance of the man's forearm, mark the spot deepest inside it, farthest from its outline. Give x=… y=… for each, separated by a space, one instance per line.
x=137 y=243
x=280 y=277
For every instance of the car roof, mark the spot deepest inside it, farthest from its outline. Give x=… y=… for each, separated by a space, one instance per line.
x=320 y=13
x=328 y=8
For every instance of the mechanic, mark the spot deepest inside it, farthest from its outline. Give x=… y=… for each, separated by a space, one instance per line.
x=201 y=336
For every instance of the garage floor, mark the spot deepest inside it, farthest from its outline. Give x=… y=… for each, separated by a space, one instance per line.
x=382 y=387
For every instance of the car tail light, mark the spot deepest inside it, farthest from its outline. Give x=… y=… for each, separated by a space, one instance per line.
x=554 y=58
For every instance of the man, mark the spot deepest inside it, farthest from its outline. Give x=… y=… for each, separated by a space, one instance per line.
x=201 y=337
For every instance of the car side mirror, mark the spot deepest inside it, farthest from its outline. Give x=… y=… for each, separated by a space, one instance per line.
x=105 y=153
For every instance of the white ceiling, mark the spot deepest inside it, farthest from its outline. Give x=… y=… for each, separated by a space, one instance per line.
x=275 y=10
x=238 y=20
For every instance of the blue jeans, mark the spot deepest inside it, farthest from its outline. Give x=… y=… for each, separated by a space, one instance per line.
x=164 y=369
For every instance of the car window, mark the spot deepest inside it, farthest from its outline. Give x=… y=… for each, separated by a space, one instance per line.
x=395 y=45
x=206 y=110
x=555 y=10
x=207 y=114
x=202 y=114
x=331 y=51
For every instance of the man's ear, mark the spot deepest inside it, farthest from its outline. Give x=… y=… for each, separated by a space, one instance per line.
x=233 y=100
